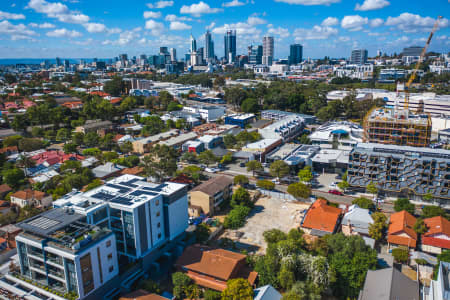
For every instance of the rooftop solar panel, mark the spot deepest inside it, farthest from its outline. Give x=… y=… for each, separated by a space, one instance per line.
x=130 y=183
x=103 y=196
x=121 y=189
x=140 y=192
x=43 y=223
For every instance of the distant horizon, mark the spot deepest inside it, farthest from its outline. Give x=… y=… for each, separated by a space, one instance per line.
x=104 y=28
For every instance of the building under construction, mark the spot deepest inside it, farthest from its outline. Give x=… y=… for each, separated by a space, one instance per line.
x=397 y=127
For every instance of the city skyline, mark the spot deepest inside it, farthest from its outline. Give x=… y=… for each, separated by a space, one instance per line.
x=80 y=28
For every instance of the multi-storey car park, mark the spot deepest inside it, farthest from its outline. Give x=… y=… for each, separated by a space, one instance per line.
x=397 y=127
x=401 y=170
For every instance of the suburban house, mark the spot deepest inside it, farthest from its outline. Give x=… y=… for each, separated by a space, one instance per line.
x=389 y=284
x=267 y=292
x=4 y=189
x=143 y=145
x=212 y=268
x=107 y=170
x=321 y=219
x=401 y=232
x=356 y=221
x=211 y=193
x=32 y=198
x=437 y=238
x=440 y=288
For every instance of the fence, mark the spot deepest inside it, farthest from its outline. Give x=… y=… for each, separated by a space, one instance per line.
x=278 y=195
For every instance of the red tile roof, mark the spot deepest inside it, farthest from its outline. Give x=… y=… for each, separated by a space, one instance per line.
x=402 y=223
x=322 y=216
x=437 y=226
x=29 y=194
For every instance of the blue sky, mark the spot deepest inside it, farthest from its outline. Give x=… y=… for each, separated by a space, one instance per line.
x=105 y=28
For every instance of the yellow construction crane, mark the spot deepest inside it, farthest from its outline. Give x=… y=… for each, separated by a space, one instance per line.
x=422 y=55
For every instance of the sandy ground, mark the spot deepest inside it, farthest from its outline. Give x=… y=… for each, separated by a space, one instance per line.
x=268 y=213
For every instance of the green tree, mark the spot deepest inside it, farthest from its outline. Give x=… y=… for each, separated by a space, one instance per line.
x=201 y=233
x=78 y=138
x=211 y=295
x=254 y=166
x=13 y=177
x=400 y=255
x=236 y=217
x=30 y=144
x=305 y=175
x=279 y=169
x=241 y=197
x=250 y=105
x=92 y=152
x=37 y=132
x=126 y=147
x=193 y=172
x=227 y=158
x=161 y=162
x=420 y=227
x=114 y=86
x=343 y=185
x=230 y=141
x=19 y=123
x=378 y=227
x=404 y=204
x=299 y=190
x=12 y=141
x=207 y=157
x=71 y=165
x=240 y=180
x=428 y=197
x=371 y=189
x=63 y=135
x=109 y=156
x=189 y=157
x=364 y=203
x=70 y=148
x=91 y=139
x=173 y=106
x=265 y=184
x=95 y=183
x=433 y=211
x=238 y=289
x=180 y=283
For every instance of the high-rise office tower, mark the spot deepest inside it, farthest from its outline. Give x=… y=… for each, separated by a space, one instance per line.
x=359 y=56
x=255 y=53
x=163 y=50
x=123 y=59
x=209 y=47
x=295 y=54
x=173 y=54
x=58 y=62
x=230 y=46
x=193 y=44
x=268 y=46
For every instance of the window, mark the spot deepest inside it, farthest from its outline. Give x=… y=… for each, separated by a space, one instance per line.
x=159 y=225
x=111 y=269
x=158 y=214
x=110 y=256
x=108 y=244
x=157 y=202
x=159 y=235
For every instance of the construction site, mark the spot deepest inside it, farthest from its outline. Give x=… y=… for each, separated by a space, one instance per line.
x=397 y=127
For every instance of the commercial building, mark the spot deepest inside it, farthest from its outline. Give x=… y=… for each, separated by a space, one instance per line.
x=440 y=288
x=230 y=46
x=391 y=75
x=295 y=54
x=359 y=57
x=209 y=47
x=177 y=141
x=212 y=268
x=255 y=53
x=331 y=161
x=59 y=250
x=143 y=216
x=262 y=147
x=400 y=170
x=337 y=135
x=143 y=145
x=209 y=113
x=272 y=114
x=397 y=127
x=210 y=194
x=240 y=119
x=268 y=50
x=287 y=128
x=412 y=51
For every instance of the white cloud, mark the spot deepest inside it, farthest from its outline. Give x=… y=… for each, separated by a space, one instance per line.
x=43 y=25
x=241 y=28
x=376 y=22
x=175 y=25
x=198 y=9
x=58 y=11
x=63 y=32
x=19 y=31
x=354 y=23
x=280 y=31
x=125 y=38
x=408 y=22
x=83 y=43
x=152 y=15
x=372 y=5
x=233 y=3
x=315 y=33
x=155 y=28
x=172 y=18
x=160 y=4
x=114 y=30
x=10 y=16
x=344 y=39
x=211 y=26
x=95 y=27
x=330 y=21
x=256 y=21
x=310 y=2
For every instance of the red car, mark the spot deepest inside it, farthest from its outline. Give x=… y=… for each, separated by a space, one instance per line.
x=336 y=192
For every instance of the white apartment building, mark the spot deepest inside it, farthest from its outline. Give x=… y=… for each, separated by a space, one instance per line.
x=208 y=113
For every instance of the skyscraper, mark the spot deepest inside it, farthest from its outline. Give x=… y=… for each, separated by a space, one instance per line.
x=58 y=62
x=255 y=53
x=209 y=47
x=193 y=44
x=173 y=54
x=230 y=46
x=295 y=54
x=359 y=57
x=163 y=50
x=268 y=46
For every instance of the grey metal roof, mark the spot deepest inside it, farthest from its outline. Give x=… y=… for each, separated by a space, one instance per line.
x=389 y=284
x=50 y=221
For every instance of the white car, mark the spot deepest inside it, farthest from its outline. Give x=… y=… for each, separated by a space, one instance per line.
x=333 y=185
x=276 y=181
x=210 y=170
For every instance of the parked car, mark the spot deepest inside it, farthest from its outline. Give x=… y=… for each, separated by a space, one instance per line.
x=242 y=165
x=336 y=192
x=333 y=185
x=276 y=181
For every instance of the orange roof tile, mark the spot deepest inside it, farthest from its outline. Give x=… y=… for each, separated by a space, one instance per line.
x=322 y=216
x=29 y=194
x=402 y=223
x=437 y=225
